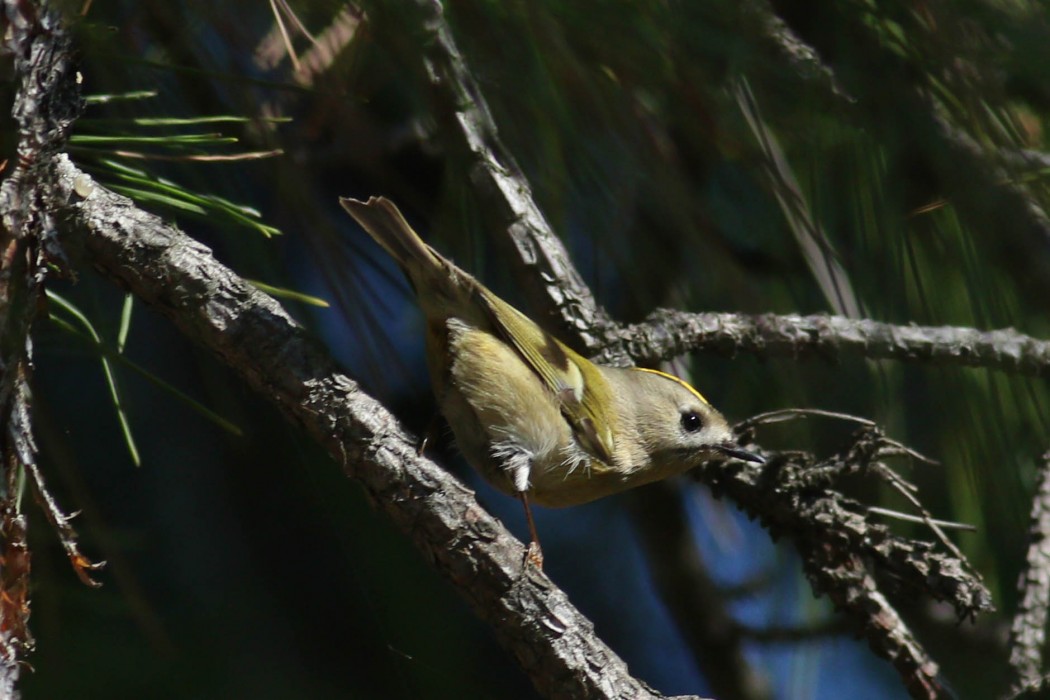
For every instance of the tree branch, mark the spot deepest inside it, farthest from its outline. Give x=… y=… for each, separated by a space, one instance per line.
x=45 y=104
x=250 y=332
x=804 y=60
x=839 y=570
x=503 y=192
x=550 y=275
x=669 y=333
x=1028 y=631
x=792 y=496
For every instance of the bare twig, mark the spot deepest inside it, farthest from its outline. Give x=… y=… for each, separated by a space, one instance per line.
x=907 y=491
x=60 y=521
x=904 y=517
x=781 y=415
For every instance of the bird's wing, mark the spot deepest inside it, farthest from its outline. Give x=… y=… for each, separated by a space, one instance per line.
x=585 y=399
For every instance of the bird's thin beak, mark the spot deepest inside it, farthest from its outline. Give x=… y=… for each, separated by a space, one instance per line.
x=734 y=451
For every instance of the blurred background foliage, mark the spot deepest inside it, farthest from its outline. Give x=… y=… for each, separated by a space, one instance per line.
x=882 y=160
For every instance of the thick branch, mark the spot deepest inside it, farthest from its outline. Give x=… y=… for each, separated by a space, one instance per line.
x=249 y=331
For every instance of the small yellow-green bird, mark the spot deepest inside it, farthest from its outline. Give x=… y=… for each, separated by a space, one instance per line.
x=538 y=420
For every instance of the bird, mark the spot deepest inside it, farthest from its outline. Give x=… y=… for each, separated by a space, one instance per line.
x=538 y=420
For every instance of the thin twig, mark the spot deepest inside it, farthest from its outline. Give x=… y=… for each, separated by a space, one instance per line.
x=82 y=565
x=907 y=490
x=785 y=414
x=897 y=515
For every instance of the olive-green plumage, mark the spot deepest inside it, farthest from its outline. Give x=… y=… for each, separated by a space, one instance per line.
x=534 y=417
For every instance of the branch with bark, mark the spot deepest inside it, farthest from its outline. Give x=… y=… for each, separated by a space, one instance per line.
x=552 y=281
x=45 y=105
x=1028 y=632
x=833 y=537
x=250 y=332
x=843 y=552
x=669 y=333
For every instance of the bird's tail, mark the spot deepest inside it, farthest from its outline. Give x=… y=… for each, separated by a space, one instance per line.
x=383 y=221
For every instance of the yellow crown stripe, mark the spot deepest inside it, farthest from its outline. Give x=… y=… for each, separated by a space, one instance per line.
x=673 y=378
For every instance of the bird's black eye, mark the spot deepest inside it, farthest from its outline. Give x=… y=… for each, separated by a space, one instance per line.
x=691 y=421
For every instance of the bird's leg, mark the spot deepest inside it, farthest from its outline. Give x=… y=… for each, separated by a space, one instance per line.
x=533 y=553
x=519 y=466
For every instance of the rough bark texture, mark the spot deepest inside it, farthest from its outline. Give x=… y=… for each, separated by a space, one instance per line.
x=1028 y=633
x=178 y=277
x=669 y=333
x=830 y=532
x=45 y=104
x=502 y=190
x=793 y=495
x=550 y=277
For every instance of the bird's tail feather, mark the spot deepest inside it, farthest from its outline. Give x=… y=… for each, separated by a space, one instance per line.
x=384 y=222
